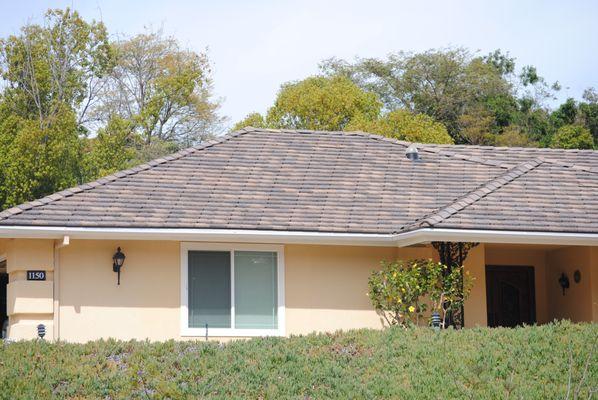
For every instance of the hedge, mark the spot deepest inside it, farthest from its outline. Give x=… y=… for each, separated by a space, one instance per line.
x=554 y=361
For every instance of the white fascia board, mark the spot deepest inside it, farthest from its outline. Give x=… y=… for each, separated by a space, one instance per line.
x=423 y=235
x=199 y=235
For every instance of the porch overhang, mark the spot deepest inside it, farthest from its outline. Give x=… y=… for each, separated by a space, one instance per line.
x=419 y=236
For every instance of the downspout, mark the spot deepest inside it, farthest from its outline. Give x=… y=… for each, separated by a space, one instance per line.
x=56 y=281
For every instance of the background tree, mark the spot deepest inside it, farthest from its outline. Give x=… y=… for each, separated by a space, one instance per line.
x=254 y=119
x=111 y=150
x=59 y=64
x=163 y=90
x=404 y=125
x=321 y=103
x=572 y=137
x=475 y=97
x=336 y=103
x=74 y=106
x=50 y=74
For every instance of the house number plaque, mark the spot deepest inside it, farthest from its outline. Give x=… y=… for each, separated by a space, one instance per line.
x=36 y=275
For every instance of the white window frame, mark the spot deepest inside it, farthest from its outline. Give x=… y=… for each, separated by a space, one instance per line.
x=230 y=332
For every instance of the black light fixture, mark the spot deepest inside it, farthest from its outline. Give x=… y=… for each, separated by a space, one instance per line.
x=118 y=259
x=564 y=282
x=41 y=331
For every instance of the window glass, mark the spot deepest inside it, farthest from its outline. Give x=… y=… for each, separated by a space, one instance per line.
x=209 y=289
x=256 y=290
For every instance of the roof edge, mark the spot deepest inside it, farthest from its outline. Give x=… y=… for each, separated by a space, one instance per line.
x=418 y=236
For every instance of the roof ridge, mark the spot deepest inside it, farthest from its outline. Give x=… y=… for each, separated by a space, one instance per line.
x=474 y=195
x=576 y=167
x=464 y=157
x=546 y=149
x=120 y=174
x=374 y=136
x=404 y=143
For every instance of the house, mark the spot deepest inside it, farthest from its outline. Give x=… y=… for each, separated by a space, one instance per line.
x=275 y=232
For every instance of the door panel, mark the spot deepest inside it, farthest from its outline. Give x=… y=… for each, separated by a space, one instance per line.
x=510 y=295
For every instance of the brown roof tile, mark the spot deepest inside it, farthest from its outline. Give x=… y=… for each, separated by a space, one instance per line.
x=331 y=182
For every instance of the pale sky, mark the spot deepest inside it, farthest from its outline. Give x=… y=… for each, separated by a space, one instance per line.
x=256 y=46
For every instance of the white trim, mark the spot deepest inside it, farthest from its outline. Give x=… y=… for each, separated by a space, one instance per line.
x=198 y=235
x=489 y=236
x=2 y=257
x=422 y=235
x=231 y=332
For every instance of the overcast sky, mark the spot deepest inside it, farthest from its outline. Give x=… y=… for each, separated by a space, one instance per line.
x=257 y=45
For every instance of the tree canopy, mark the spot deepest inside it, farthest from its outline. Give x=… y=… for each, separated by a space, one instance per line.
x=336 y=103
x=75 y=106
x=481 y=99
x=321 y=103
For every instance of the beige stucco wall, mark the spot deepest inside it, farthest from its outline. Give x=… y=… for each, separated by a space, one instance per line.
x=576 y=304
x=475 y=306
x=325 y=286
x=29 y=303
x=146 y=304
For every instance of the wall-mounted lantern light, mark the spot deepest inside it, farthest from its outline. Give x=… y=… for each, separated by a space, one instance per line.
x=118 y=259
x=564 y=282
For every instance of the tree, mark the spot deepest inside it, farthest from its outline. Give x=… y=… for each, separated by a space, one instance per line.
x=38 y=160
x=589 y=112
x=110 y=151
x=439 y=83
x=403 y=125
x=50 y=75
x=572 y=137
x=452 y=86
x=60 y=64
x=513 y=136
x=321 y=103
x=476 y=126
x=165 y=91
x=254 y=119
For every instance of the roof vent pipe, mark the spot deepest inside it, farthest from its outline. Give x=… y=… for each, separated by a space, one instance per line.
x=412 y=153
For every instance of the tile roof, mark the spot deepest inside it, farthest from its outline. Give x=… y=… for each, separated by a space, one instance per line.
x=333 y=182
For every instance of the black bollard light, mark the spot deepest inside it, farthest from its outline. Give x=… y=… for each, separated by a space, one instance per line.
x=41 y=331
x=436 y=320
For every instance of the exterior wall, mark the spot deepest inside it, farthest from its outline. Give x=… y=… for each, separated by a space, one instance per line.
x=29 y=303
x=146 y=304
x=325 y=286
x=576 y=304
x=337 y=299
x=3 y=243
x=475 y=305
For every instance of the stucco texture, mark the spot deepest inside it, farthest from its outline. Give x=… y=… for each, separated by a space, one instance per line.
x=325 y=286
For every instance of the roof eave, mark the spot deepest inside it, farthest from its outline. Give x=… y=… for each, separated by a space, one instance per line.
x=422 y=235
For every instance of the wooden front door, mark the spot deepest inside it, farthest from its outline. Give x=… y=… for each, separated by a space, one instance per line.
x=510 y=295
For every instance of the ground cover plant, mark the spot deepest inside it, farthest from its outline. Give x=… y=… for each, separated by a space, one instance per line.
x=555 y=361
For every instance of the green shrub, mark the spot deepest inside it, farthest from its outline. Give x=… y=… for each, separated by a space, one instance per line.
x=402 y=291
x=418 y=363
